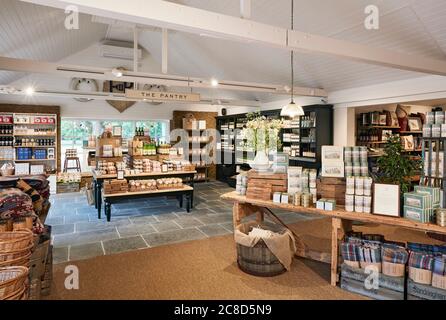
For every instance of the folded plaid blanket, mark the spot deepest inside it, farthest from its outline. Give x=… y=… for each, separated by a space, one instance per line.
x=440 y=265
x=394 y=254
x=370 y=252
x=349 y=251
x=421 y=260
x=427 y=248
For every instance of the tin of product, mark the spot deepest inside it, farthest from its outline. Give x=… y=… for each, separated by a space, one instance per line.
x=363 y=154
x=350 y=185
x=439 y=117
x=359 y=186
x=367 y=201
x=364 y=171
x=297 y=199
x=368 y=186
x=307 y=199
x=356 y=170
x=348 y=169
x=436 y=131
x=347 y=154
x=427 y=130
x=441 y=217
x=430 y=118
x=443 y=130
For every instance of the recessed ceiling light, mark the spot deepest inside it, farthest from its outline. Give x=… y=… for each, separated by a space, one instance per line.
x=29 y=91
x=214 y=82
x=117 y=72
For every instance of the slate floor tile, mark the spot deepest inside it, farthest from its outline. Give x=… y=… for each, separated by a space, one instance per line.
x=188 y=222
x=165 y=226
x=85 y=251
x=124 y=244
x=84 y=237
x=60 y=255
x=135 y=229
x=62 y=228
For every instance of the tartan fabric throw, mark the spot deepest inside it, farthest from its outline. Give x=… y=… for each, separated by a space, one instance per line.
x=421 y=260
x=370 y=252
x=427 y=248
x=394 y=254
x=349 y=251
x=440 y=265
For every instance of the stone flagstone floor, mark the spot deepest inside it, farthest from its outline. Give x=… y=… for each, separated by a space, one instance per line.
x=143 y=223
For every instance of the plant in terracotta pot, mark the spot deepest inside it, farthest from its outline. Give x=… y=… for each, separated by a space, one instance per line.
x=395 y=166
x=262 y=135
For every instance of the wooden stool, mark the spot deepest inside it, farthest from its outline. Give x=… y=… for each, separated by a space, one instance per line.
x=71 y=155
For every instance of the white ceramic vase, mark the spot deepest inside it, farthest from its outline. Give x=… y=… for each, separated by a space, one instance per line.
x=261 y=161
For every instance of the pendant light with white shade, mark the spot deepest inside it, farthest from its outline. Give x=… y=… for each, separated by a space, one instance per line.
x=292 y=110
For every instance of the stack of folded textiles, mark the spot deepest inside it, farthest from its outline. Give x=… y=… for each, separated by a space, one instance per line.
x=427 y=264
x=388 y=258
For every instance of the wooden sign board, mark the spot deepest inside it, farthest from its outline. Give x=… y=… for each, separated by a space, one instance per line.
x=162 y=96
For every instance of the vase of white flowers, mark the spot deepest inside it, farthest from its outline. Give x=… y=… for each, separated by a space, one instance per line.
x=262 y=135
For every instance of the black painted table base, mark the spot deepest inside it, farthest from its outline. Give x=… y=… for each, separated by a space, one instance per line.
x=187 y=194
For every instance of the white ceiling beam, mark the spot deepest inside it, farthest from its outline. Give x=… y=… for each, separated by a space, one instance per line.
x=164 y=51
x=245 y=9
x=170 y=15
x=70 y=94
x=72 y=71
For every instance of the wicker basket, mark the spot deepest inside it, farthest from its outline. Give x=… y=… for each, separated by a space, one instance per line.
x=16 y=240
x=13 y=255
x=21 y=261
x=12 y=281
x=258 y=260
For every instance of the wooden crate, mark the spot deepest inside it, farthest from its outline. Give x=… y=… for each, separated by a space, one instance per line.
x=262 y=185
x=390 y=288
x=332 y=188
x=67 y=187
x=416 y=291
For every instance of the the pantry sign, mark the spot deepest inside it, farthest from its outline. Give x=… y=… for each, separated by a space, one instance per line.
x=162 y=96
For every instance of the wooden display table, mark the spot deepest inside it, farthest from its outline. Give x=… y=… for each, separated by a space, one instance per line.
x=187 y=191
x=341 y=223
x=98 y=182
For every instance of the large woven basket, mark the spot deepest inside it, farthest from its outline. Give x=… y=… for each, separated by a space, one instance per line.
x=12 y=281
x=23 y=261
x=258 y=260
x=15 y=240
x=12 y=255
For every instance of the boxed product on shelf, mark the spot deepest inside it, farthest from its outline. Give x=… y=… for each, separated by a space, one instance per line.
x=169 y=183
x=142 y=185
x=115 y=186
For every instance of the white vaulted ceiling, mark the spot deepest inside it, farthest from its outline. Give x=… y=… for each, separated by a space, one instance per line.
x=413 y=27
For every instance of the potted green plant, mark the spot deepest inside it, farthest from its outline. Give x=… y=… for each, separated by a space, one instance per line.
x=396 y=166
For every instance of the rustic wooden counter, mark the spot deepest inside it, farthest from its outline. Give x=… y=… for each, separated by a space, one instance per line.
x=341 y=223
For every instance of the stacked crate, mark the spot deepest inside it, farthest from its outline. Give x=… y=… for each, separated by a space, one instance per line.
x=332 y=188
x=262 y=185
x=115 y=186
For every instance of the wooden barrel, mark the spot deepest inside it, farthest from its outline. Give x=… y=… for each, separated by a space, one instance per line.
x=258 y=260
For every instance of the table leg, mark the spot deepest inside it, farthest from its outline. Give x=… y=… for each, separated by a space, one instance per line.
x=95 y=193
x=188 y=202
x=107 y=209
x=338 y=230
x=192 y=185
x=99 y=200
x=180 y=200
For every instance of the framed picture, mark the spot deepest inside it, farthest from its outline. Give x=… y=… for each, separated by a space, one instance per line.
x=332 y=153
x=408 y=142
x=117 y=131
x=414 y=124
x=333 y=170
x=386 y=199
x=395 y=122
x=382 y=120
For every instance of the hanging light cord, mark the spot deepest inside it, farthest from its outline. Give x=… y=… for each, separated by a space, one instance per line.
x=292 y=54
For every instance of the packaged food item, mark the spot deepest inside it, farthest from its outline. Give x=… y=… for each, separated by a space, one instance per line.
x=359 y=186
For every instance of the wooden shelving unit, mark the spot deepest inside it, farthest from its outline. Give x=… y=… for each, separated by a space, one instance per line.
x=32 y=121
